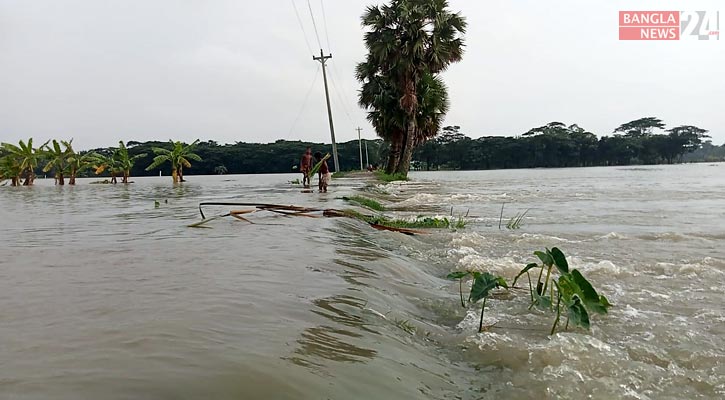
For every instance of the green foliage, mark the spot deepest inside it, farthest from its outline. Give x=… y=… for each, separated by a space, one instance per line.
x=24 y=159
x=571 y=290
x=571 y=293
x=381 y=175
x=417 y=223
x=317 y=166
x=178 y=156
x=482 y=285
x=515 y=222
x=556 y=145
x=409 y=43
x=365 y=202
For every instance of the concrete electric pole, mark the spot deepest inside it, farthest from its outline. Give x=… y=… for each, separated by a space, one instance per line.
x=359 y=139
x=323 y=60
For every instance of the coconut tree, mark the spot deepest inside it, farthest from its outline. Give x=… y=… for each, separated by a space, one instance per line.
x=406 y=41
x=178 y=157
x=26 y=157
x=57 y=160
x=126 y=162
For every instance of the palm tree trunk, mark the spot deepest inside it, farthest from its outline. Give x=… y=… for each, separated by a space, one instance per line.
x=181 y=174
x=407 y=153
x=394 y=154
x=175 y=175
x=61 y=179
x=113 y=178
x=125 y=176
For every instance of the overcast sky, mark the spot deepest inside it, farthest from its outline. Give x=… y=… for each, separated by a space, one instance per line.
x=100 y=71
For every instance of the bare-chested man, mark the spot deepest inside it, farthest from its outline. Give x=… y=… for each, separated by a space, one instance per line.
x=306 y=167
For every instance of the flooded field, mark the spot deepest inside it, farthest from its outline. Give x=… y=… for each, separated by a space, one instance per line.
x=105 y=296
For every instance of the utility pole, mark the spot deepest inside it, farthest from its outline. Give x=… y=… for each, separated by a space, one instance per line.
x=359 y=139
x=323 y=60
x=367 y=161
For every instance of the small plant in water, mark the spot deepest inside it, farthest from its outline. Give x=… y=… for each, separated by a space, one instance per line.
x=571 y=291
x=515 y=222
x=483 y=283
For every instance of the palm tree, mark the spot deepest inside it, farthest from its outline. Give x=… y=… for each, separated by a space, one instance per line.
x=178 y=156
x=125 y=162
x=407 y=41
x=57 y=160
x=26 y=157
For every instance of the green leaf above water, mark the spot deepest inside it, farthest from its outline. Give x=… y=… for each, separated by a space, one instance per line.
x=559 y=260
x=458 y=275
x=483 y=283
x=578 y=314
x=545 y=258
x=589 y=295
x=523 y=271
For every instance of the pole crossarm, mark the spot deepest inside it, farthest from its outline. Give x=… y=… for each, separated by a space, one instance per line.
x=323 y=60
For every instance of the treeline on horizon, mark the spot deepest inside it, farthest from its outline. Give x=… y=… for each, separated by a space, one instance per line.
x=554 y=145
x=557 y=145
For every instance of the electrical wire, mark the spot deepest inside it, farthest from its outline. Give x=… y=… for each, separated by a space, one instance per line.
x=302 y=26
x=304 y=103
x=324 y=21
x=314 y=24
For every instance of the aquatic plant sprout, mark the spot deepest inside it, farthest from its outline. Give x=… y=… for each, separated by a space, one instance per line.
x=482 y=285
x=573 y=293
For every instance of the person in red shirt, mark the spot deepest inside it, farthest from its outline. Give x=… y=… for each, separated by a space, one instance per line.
x=323 y=173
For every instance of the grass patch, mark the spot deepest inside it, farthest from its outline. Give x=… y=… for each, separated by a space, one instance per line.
x=340 y=174
x=418 y=223
x=390 y=178
x=365 y=202
x=515 y=222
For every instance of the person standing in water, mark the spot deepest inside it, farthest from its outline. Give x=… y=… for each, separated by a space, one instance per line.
x=306 y=167
x=323 y=173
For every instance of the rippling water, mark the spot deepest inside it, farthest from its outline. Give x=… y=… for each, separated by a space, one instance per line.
x=104 y=296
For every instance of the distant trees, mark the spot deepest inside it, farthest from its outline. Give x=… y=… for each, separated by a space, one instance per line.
x=559 y=145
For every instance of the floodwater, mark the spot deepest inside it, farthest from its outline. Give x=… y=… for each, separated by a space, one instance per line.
x=105 y=296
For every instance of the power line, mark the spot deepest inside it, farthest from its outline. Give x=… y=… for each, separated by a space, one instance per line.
x=324 y=21
x=343 y=104
x=314 y=24
x=302 y=26
x=304 y=103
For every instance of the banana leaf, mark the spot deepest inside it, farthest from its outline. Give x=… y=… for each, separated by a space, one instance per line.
x=317 y=166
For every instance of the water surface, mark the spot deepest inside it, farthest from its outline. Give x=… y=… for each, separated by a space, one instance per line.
x=104 y=296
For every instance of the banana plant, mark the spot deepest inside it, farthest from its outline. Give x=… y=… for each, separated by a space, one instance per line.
x=26 y=156
x=58 y=160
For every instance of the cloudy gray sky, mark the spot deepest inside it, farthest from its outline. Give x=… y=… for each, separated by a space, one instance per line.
x=100 y=71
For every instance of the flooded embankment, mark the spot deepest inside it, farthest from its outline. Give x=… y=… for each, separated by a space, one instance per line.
x=105 y=296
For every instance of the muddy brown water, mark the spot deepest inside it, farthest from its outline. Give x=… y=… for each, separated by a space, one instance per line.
x=104 y=296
